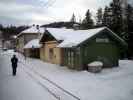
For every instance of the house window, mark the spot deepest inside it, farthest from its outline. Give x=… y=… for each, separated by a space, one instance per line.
x=71 y=58
x=51 y=53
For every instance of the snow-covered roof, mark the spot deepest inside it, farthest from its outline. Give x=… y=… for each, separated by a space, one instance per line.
x=78 y=36
x=32 y=44
x=32 y=29
x=71 y=38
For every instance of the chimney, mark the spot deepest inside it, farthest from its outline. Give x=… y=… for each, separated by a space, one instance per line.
x=37 y=27
x=33 y=25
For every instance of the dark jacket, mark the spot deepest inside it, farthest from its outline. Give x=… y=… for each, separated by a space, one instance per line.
x=14 y=61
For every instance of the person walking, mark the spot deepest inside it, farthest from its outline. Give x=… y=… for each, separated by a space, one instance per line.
x=14 y=61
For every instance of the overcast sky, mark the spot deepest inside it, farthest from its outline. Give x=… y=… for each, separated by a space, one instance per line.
x=19 y=12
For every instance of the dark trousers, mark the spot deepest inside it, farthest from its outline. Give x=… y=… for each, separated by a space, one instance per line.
x=14 y=70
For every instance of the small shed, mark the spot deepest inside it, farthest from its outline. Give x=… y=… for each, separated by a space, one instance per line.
x=32 y=49
x=80 y=47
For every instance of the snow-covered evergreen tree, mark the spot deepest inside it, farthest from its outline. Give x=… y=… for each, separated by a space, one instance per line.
x=107 y=17
x=88 y=21
x=130 y=18
x=117 y=16
x=73 y=19
x=99 y=17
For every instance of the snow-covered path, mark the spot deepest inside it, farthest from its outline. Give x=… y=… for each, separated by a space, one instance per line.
x=20 y=87
x=110 y=84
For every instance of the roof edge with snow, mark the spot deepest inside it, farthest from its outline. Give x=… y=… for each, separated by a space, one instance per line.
x=70 y=37
x=31 y=30
x=111 y=33
x=32 y=44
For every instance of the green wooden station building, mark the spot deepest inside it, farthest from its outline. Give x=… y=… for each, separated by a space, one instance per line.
x=78 y=48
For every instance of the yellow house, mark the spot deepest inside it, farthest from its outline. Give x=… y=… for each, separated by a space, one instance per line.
x=50 y=53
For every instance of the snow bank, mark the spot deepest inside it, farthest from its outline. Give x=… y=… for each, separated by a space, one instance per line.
x=95 y=66
x=96 y=63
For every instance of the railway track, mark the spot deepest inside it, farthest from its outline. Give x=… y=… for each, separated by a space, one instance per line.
x=54 y=89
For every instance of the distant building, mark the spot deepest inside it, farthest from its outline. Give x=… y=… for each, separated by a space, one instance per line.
x=77 y=48
x=27 y=35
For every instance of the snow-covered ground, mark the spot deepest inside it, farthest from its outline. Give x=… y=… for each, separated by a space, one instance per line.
x=20 y=87
x=110 y=84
